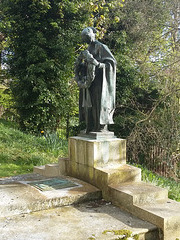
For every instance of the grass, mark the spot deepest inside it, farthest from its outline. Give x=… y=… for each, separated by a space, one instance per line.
x=19 y=151
x=171 y=185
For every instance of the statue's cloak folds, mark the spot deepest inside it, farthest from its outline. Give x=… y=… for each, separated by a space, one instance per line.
x=102 y=89
x=107 y=101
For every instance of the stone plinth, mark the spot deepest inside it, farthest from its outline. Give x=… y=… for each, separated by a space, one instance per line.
x=97 y=152
x=100 y=159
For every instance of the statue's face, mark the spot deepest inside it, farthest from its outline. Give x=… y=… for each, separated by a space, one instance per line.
x=88 y=35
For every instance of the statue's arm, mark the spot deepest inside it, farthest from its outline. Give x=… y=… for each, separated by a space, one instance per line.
x=90 y=59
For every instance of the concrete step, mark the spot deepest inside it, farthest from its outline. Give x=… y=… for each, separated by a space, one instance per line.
x=39 y=170
x=52 y=170
x=114 y=174
x=118 y=173
x=20 y=195
x=149 y=203
x=165 y=215
x=48 y=170
x=138 y=193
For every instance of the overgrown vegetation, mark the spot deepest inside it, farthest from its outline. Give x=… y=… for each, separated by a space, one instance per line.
x=146 y=44
x=19 y=151
x=40 y=59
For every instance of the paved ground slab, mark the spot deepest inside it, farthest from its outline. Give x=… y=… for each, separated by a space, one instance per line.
x=34 y=207
x=80 y=222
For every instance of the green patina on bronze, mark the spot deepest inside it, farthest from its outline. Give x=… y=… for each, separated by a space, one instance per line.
x=53 y=184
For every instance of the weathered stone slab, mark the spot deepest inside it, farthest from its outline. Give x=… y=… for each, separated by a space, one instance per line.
x=165 y=215
x=39 y=170
x=18 y=195
x=137 y=193
x=80 y=222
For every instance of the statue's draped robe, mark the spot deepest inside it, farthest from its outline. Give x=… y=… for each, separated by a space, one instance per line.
x=102 y=89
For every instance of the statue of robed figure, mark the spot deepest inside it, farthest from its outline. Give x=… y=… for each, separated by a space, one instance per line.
x=95 y=74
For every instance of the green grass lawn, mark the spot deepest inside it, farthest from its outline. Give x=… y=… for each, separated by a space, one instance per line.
x=19 y=151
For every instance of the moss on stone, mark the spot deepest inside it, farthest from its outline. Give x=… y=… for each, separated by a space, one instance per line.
x=124 y=233
x=128 y=233
x=136 y=237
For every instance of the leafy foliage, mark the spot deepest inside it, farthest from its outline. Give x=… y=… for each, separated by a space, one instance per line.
x=42 y=36
x=145 y=42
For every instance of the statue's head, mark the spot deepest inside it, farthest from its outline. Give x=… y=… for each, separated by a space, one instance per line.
x=88 y=34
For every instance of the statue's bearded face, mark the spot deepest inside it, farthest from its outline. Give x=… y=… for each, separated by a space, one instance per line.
x=88 y=35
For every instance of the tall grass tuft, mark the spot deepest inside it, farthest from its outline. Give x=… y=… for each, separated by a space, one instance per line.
x=19 y=151
x=170 y=184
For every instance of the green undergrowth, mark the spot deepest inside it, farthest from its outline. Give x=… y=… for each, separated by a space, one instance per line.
x=19 y=151
x=171 y=185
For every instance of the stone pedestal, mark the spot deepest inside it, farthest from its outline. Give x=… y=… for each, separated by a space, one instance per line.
x=100 y=159
x=97 y=153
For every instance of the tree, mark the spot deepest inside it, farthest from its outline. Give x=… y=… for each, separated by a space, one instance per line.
x=43 y=38
x=41 y=53
x=146 y=40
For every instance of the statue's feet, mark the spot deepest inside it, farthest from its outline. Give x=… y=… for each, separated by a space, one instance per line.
x=104 y=128
x=83 y=131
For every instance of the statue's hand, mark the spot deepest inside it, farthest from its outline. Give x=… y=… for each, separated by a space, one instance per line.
x=85 y=54
x=82 y=84
x=76 y=79
x=101 y=65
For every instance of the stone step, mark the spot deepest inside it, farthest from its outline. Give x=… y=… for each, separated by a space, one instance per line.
x=139 y=193
x=101 y=177
x=121 y=173
x=39 y=170
x=149 y=203
x=165 y=215
x=52 y=170
x=48 y=170
x=110 y=174
x=115 y=174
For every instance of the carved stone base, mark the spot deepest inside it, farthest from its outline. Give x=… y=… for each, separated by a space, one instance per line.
x=104 y=135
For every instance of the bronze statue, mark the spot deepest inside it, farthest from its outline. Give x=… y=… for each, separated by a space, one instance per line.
x=95 y=74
